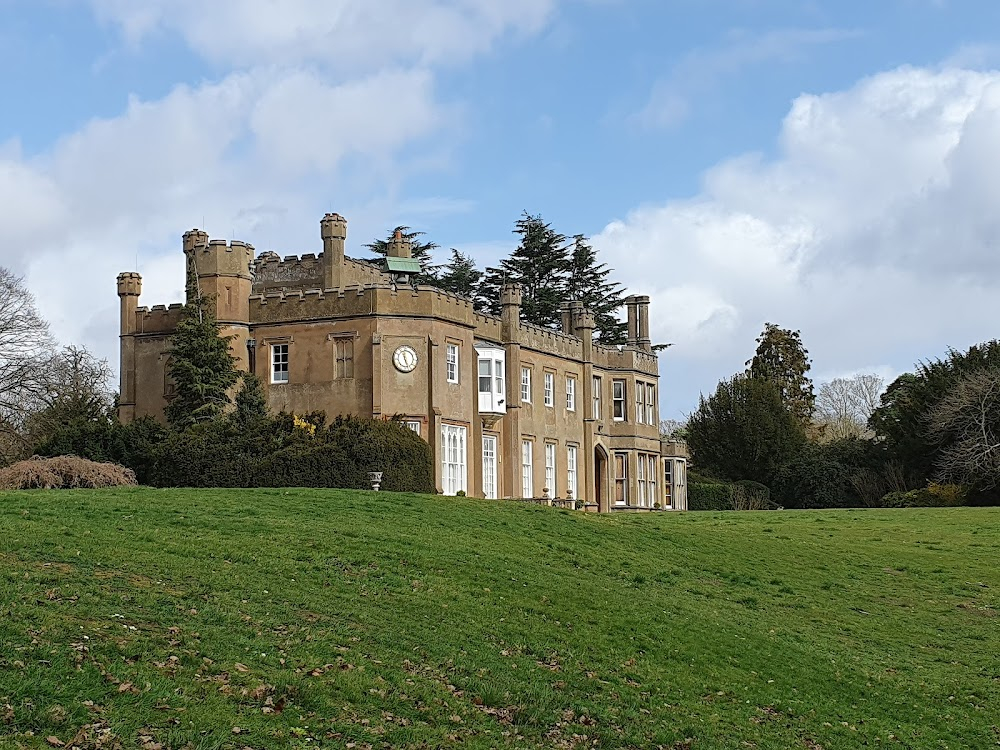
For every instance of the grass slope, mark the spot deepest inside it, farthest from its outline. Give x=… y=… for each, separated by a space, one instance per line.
x=303 y=618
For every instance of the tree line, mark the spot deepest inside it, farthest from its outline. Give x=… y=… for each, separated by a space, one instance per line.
x=42 y=385
x=551 y=268
x=931 y=438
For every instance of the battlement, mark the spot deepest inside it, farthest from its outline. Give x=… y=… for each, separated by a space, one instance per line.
x=488 y=327
x=359 y=300
x=306 y=271
x=129 y=284
x=626 y=358
x=218 y=257
x=549 y=340
x=161 y=319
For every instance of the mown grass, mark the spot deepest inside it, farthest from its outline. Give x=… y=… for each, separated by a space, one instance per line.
x=304 y=618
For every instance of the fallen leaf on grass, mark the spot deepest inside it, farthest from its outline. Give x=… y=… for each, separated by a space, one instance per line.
x=241 y=667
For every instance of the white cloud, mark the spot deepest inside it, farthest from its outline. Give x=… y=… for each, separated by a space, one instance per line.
x=303 y=123
x=875 y=231
x=318 y=105
x=257 y=155
x=347 y=34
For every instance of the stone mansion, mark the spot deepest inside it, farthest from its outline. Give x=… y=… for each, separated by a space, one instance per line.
x=510 y=409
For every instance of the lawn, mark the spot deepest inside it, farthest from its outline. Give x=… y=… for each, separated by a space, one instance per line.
x=304 y=618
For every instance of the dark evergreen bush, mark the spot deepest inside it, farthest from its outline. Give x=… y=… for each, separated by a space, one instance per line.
x=709 y=496
x=281 y=451
x=132 y=445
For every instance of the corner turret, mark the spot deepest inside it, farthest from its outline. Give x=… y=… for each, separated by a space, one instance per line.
x=333 y=231
x=224 y=281
x=129 y=289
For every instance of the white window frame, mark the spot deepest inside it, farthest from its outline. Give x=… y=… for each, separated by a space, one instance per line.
x=623 y=478
x=526 y=385
x=490 y=443
x=550 y=469
x=652 y=461
x=640 y=480
x=651 y=404
x=279 y=363
x=640 y=402
x=549 y=383
x=488 y=377
x=571 y=471
x=527 y=469
x=451 y=363
x=414 y=425
x=596 y=406
x=570 y=393
x=499 y=379
x=619 y=400
x=454 y=471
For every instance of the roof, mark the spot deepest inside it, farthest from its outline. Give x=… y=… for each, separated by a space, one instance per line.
x=401 y=265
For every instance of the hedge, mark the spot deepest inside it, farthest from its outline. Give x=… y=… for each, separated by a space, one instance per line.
x=282 y=451
x=709 y=496
x=932 y=496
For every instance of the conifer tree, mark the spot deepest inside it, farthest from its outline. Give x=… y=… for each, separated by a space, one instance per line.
x=488 y=291
x=540 y=265
x=782 y=359
x=202 y=368
x=251 y=405
x=419 y=250
x=460 y=275
x=587 y=282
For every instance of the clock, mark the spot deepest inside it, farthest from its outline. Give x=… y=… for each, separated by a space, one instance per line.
x=404 y=358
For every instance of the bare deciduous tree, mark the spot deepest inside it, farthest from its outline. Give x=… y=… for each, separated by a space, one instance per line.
x=75 y=387
x=966 y=423
x=24 y=346
x=743 y=497
x=873 y=484
x=673 y=428
x=844 y=405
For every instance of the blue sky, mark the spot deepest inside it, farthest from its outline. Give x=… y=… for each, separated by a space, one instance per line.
x=827 y=166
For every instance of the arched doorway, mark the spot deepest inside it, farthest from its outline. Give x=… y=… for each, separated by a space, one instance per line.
x=601 y=479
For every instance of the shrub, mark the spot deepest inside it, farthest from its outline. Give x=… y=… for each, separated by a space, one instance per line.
x=932 y=496
x=709 y=496
x=747 y=494
x=282 y=452
x=63 y=473
x=130 y=445
x=815 y=478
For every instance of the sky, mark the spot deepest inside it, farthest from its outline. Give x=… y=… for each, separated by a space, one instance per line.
x=831 y=166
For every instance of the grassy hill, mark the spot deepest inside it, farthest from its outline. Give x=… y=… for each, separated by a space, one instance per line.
x=303 y=618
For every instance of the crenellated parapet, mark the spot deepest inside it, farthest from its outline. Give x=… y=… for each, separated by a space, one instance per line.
x=488 y=327
x=159 y=319
x=129 y=284
x=308 y=271
x=626 y=358
x=291 y=272
x=285 y=305
x=549 y=340
x=218 y=257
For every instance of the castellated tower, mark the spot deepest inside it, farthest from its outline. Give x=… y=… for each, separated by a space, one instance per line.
x=222 y=277
x=129 y=288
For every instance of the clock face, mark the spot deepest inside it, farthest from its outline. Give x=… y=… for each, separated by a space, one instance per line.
x=404 y=358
